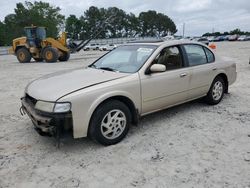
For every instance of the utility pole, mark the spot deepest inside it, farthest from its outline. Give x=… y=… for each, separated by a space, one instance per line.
x=183 y=34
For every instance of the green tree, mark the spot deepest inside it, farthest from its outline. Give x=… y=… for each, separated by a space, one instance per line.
x=133 y=25
x=233 y=32
x=93 y=18
x=147 y=20
x=164 y=25
x=114 y=22
x=2 y=34
x=38 y=13
x=156 y=24
x=73 y=26
x=237 y=31
x=12 y=30
x=117 y=22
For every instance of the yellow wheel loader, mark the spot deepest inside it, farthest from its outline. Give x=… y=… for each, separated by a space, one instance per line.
x=35 y=45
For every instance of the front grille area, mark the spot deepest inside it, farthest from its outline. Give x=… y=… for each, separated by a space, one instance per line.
x=30 y=99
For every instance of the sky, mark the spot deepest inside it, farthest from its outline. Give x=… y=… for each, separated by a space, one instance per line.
x=199 y=16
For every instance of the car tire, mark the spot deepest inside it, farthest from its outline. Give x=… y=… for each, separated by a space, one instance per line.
x=216 y=91
x=64 y=57
x=50 y=55
x=110 y=122
x=23 y=55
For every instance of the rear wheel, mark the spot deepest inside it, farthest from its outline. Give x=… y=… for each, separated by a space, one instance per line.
x=216 y=92
x=64 y=57
x=23 y=55
x=50 y=55
x=110 y=122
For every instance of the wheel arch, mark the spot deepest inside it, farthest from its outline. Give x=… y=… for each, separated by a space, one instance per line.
x=130 y=104
x=21 y=46
x=124 y=99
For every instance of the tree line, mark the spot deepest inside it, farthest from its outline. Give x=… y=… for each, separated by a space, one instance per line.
x=233 y=32
x=26 y=14
x=119 y=23
x=115 y=22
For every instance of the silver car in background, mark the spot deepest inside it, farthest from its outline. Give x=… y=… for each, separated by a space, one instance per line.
x=102 y=100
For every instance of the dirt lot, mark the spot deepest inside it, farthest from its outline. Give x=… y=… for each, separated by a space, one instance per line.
x=192 y=145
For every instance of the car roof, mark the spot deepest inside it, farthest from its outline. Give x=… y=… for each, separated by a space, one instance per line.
x=162 y=42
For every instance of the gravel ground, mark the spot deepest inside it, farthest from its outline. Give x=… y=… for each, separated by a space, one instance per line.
x=191 y=145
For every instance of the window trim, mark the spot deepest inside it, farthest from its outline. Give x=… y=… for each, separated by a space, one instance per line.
x=211 y=53
x=183 y=59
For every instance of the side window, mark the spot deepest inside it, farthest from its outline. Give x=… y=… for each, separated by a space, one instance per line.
x=195 y=54
x=170 y=57
x=210 y=55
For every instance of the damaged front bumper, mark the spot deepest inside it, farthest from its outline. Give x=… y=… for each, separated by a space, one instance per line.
x=47 y=124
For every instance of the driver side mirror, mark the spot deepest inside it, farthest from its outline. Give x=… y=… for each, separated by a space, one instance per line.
x=157 y=68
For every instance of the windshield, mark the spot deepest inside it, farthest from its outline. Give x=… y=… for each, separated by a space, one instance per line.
x=30 y=33
x=128 y=59
x=41 y=33
x=35 y=33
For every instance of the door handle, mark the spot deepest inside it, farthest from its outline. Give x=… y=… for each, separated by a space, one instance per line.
x=215 y=68
x=183 y=74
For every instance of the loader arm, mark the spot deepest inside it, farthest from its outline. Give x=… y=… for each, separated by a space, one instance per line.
x=55 y=44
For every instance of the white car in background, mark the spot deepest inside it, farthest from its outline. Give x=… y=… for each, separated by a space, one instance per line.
x=91 y=47
x=243 y=38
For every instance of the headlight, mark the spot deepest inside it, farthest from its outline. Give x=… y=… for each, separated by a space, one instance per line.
x=53 y=107
x=62 y=107
x=45 y=106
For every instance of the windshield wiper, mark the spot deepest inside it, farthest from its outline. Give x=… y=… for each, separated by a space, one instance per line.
x=93 y=65
x=107 y=68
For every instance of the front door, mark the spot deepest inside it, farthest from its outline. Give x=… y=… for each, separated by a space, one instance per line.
x=160 y=90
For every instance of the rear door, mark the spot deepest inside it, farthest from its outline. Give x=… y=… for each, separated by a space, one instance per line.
x=160 y=90
x=203 y=69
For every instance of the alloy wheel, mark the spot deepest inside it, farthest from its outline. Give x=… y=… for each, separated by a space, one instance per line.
x=113 y=124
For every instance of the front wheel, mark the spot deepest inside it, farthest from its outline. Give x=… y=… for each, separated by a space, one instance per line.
x=23 y=55
x=110 y=123
x=50 y=54
x=216 y=92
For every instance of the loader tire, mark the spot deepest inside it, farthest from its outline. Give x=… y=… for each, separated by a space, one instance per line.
x=50 y=55
x=23 y=55
x=64 y=57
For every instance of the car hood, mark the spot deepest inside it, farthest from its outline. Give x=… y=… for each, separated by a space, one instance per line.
x=53 y=86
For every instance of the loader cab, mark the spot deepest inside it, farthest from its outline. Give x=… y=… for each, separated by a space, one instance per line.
x=35 y=35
